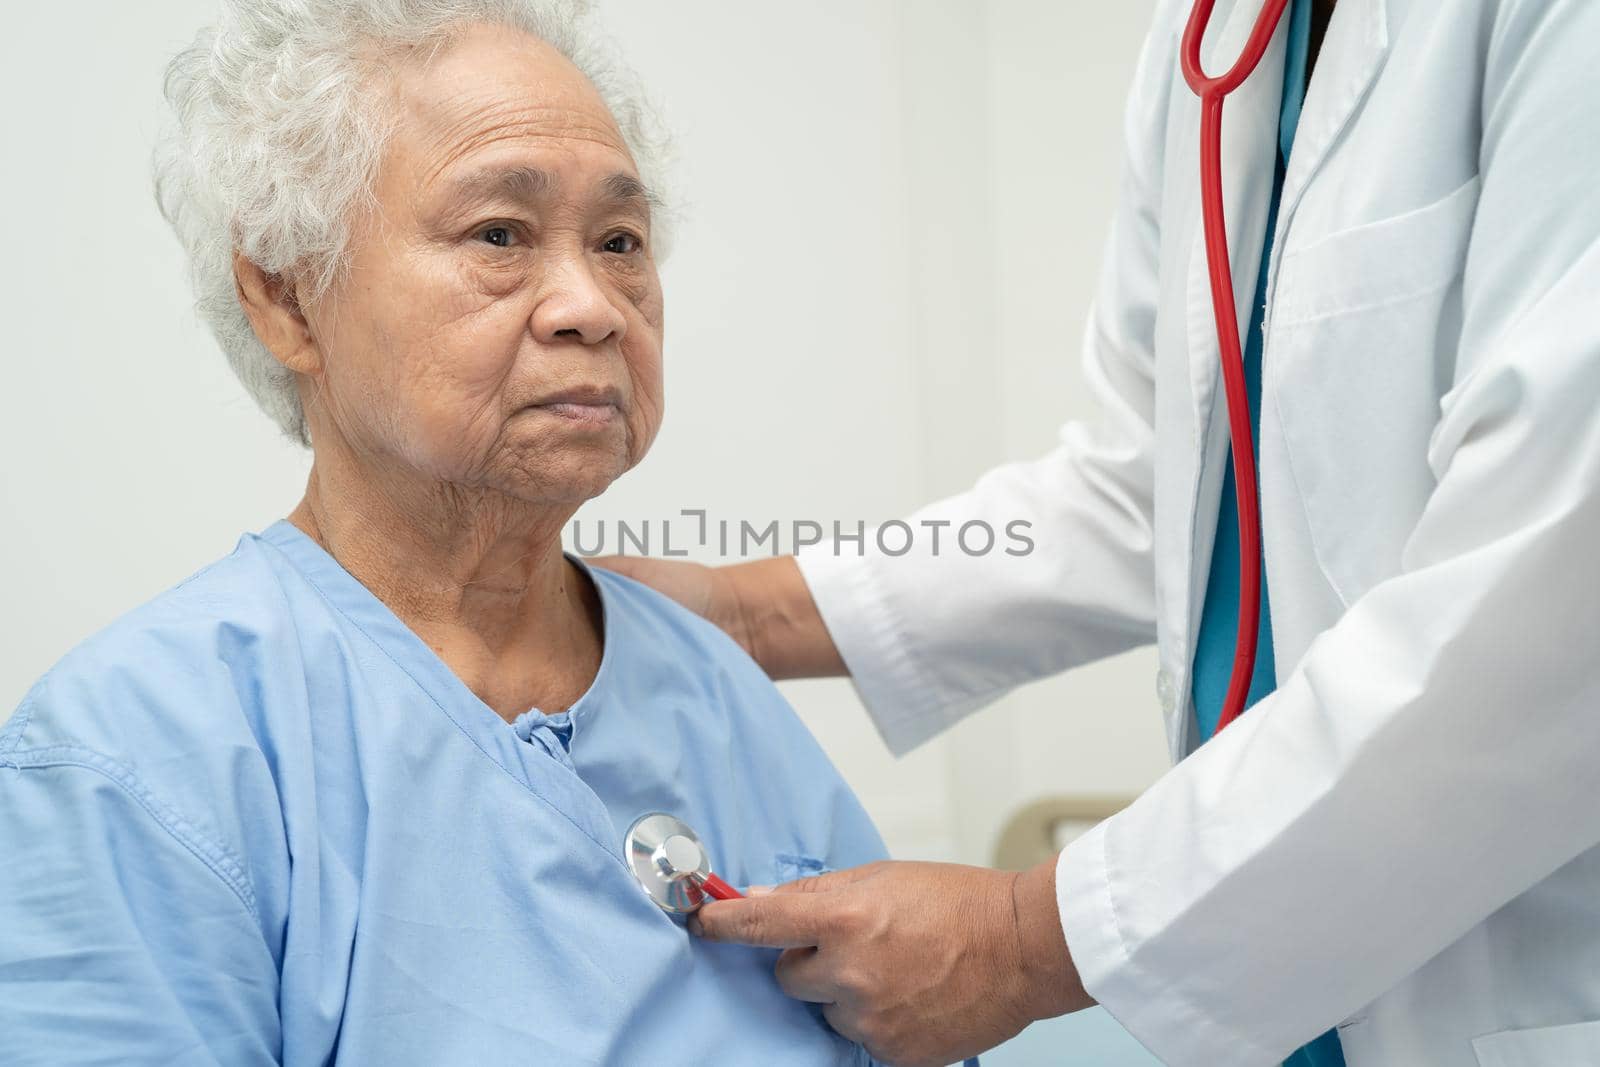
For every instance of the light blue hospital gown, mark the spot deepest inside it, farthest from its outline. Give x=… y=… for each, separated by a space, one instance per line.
x=258 y=820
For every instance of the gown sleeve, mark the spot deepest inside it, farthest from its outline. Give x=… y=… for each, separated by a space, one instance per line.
x=126 y=937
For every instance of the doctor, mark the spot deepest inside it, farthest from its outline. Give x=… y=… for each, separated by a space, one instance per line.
x=1396 y=846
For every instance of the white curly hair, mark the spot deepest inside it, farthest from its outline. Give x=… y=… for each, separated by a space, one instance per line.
x=277 y=132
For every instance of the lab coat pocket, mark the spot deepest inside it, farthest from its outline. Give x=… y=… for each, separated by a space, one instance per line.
x=1360 y=348
x=1547 y=1046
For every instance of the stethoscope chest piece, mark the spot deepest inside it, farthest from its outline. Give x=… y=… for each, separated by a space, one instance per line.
x=669 y=862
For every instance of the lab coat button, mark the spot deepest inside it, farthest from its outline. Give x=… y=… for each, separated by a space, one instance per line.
x=1165 y=692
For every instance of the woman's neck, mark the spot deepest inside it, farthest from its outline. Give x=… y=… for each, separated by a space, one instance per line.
x=480 y=577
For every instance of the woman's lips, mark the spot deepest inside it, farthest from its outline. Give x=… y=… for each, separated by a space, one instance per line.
x=585 y=405
x=594 y=414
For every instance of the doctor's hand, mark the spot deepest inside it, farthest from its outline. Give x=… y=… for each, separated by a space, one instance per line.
x=923 y=963
x=764 y=605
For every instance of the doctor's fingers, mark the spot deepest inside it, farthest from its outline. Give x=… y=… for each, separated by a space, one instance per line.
x=881 y=1042
x=772 y=920
x=809 y=974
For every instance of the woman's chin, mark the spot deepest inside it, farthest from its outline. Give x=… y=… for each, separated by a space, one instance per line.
x=567 y=479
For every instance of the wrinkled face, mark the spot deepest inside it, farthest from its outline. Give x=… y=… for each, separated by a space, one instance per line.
x=501 y=325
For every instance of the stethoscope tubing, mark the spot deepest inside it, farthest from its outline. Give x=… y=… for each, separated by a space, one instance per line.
x=1213 y=91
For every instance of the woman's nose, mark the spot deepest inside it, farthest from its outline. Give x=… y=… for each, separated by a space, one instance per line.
x=573 y=306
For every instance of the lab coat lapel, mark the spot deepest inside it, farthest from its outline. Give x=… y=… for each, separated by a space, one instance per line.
x=1352 y=55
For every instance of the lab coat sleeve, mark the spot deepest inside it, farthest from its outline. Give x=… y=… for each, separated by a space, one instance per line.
x=1433 y=755
x=125 y=936
x=933 y=634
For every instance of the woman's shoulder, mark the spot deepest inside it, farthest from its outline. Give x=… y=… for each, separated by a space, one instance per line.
x=648 y=621
x=164 y=673
x=147 y=731
x=660 y=654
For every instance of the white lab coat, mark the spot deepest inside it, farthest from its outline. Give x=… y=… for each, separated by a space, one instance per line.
x=1402 y=840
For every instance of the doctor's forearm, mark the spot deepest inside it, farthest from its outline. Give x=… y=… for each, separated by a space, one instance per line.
x=783 y=630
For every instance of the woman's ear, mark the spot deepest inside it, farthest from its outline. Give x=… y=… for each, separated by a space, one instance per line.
x=274 y=311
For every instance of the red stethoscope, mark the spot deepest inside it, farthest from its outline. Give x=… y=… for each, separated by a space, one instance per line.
x=671 y=864
x=1212 y=93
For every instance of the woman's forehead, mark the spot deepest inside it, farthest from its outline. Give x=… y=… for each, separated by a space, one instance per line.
x=497 y=86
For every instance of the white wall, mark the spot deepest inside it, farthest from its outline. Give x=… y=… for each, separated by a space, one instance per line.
x=132 y=457
x=894 y=213
x=1057 y=72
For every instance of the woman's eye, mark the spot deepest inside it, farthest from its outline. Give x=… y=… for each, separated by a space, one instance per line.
x=499 y=236
x=622 y=244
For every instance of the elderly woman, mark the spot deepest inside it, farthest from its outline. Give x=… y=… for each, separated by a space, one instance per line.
x=357 y=791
